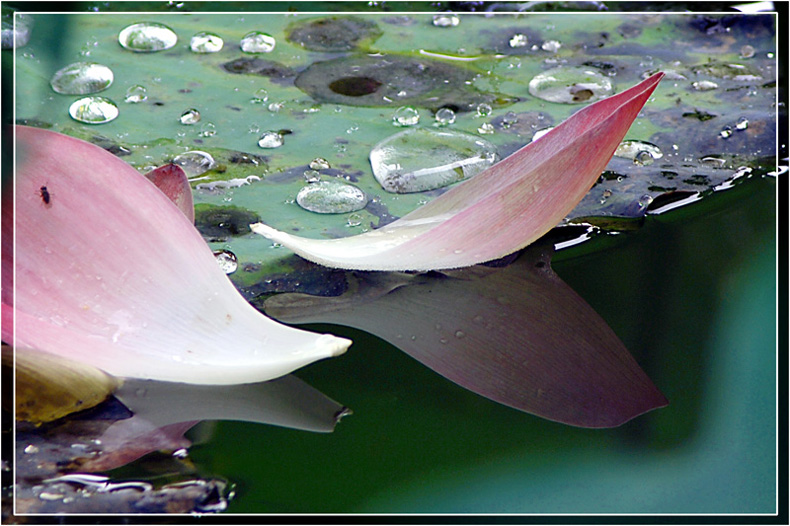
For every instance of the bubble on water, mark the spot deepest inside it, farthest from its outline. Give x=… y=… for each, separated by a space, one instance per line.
x=258 y=42
x=93 y=110
x=406 y=116
x=205 y=42
x=319 y=163
x=82 y=78
x=518 y=40
x=227 y=261
x=444 y=116
x=271 y=139
x=742 y=124
x=704 y=85
x=552 y=46
x=640 y=152
x=484 y=110
x=446 y=20
x=331 y=197
x=420 y=159
x=190 y=116
x=146 y=37
x=195 y=162
x=135 y=94
x=570 y=85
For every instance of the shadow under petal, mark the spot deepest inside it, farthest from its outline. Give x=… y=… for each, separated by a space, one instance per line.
x=517 y=335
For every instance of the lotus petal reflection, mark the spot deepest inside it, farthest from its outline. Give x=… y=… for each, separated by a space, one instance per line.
x=110 y=272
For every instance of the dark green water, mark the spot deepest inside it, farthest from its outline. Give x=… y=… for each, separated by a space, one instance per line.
x=691 y=294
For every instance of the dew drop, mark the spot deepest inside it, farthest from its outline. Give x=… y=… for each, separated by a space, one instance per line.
x=205 y=42
x=704 y=85
x=271 y=139
x=82 y=78
x=227 y=261
x=570 y=85
x=311 y=176
x=146 y=37
x=93 y=110
x=195 y=162
x=319 y=163
x=31 y=449
x=486 y=128
x=444 y=117
x=446 y=20
x=642 y=153
x=135 y=94
x=260 y=96
x=552 y=46
x=406 y=116
x=331 y=197
x=354 y=220
x=726 y=132
x=460 y=334
x=742 y=124
x=747 y=51
x=484 y=110
x=518 y=40
x=189 y=117
x=208 y=129
x=257 y=42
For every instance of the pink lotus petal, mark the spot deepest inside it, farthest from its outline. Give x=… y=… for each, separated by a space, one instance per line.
x=110 y=272
x=499 y=211
x=173 y=182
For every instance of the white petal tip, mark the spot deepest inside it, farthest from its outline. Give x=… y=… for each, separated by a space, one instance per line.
x=333 y=344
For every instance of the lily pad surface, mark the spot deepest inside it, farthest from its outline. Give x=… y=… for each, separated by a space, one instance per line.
x=338 y=102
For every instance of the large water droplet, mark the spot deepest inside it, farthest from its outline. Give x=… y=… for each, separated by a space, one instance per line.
x=570 y=85
x=194 y=162
x=146 y=37
x=257 y=42
x=82 y=78
x=205 y=42
x=93 y=110
x=422 y=159
x=331 y=197
x=271 y=139
x=444 y=116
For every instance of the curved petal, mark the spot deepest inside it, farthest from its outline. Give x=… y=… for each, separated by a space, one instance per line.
x=499 y=211
x=110 y=272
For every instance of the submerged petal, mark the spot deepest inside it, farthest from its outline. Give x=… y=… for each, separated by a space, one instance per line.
x=499 y=211
x=110 y=272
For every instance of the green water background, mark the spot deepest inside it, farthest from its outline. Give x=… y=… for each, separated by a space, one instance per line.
x=693 y=297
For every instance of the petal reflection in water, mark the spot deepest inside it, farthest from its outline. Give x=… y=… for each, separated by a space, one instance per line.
x=517 y=335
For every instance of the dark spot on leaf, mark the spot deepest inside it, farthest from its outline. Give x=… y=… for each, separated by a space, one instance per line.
x=337 y=33
x=223 y=221
x=699 y=115
x=581 y=95
x=355 y=86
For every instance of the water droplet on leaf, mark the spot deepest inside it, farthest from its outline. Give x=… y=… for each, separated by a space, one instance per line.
x=257 y=42
x=518 y=40
x=422 y=159
x=194 y=162
x=331 y=197
x=444 y=116
x=93 y=110
x=446 y=20
x=319 y=163
x=227 y=261
x=270 y=139
x=82 y=78
x=205 y=42
x=189 y=117
x=146 y=37
x=406 y=116
x=135 y=94
x=570 y=85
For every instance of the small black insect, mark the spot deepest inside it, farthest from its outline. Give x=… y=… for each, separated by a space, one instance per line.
x=45 y=195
